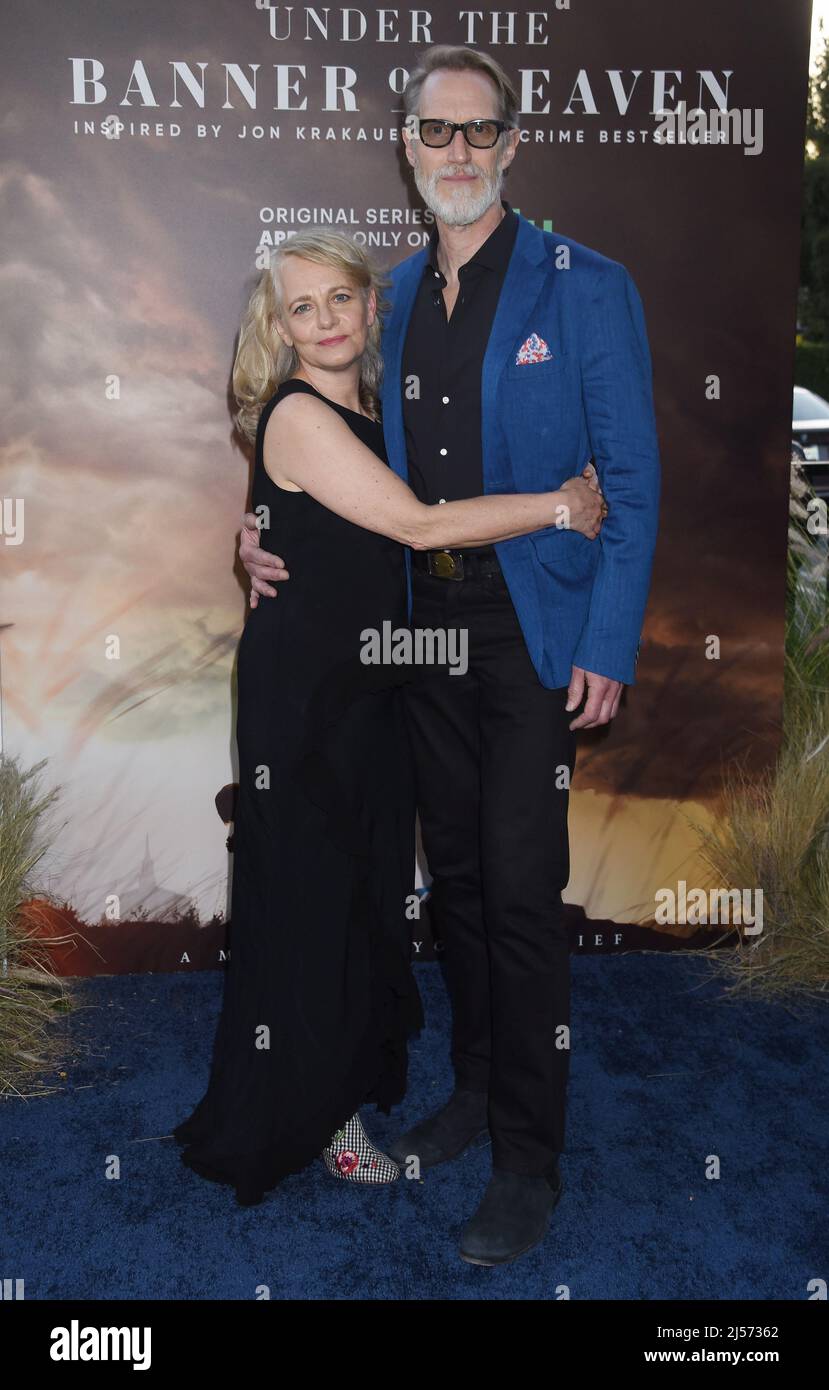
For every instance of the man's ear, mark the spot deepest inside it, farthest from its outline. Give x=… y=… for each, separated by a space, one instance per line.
x=513 y=139
x=406 y=136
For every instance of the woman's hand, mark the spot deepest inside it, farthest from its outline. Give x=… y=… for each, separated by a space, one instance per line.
x=586 y=501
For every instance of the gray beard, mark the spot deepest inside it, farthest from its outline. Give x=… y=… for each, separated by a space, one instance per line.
x=460 y=208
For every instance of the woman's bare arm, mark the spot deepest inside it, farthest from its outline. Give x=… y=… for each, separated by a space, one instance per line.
x=308 y=444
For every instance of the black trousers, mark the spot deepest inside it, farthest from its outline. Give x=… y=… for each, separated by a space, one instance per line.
x=493 y=757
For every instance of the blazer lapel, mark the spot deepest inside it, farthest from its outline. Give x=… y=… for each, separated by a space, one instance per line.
x=391 y=347
x=526 y=276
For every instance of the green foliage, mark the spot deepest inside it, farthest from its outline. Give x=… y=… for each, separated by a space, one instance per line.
x=813 y=308
x=817 y=110
x=773 y=831
x=30 y=993
x=811 y=367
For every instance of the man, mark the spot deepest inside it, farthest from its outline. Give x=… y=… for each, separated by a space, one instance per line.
x=511 y=356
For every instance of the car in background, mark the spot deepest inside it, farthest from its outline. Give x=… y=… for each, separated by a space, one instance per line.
x=810 y=435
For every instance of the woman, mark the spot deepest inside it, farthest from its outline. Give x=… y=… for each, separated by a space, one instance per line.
x=319 y=995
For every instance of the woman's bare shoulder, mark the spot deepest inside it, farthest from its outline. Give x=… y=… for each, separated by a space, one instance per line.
x=301 y=425
x=302 y=409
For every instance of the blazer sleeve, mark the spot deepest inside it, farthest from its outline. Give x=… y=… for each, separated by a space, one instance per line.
x=617 y=394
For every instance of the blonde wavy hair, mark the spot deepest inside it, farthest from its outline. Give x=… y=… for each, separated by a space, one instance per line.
x=263 y=361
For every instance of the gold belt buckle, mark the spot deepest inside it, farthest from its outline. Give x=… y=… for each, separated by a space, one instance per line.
x=445 y=564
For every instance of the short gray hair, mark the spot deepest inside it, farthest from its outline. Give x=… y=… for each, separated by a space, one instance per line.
x=452 y=57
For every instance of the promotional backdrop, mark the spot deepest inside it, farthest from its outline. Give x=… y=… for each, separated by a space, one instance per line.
x=150 y=151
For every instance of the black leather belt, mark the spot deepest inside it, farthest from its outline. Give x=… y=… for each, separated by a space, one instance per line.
x=479 y=563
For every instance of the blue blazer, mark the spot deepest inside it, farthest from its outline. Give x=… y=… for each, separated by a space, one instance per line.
x=579 y=602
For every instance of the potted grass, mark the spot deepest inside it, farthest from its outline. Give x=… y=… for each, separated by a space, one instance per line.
x=773 y=831
x=31 y=995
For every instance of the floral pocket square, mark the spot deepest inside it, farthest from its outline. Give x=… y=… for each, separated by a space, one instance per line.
x=533 y=350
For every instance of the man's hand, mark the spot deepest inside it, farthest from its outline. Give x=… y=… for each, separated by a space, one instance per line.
x=603 y=696
x=260 y=564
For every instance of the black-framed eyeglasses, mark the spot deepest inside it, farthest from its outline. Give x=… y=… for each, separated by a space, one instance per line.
x=481 y=135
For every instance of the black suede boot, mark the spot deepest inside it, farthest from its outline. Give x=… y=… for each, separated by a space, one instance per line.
x=513 y=1216
x=445 y=1134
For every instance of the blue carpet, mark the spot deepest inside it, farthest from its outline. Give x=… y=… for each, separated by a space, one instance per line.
x=665 y=1072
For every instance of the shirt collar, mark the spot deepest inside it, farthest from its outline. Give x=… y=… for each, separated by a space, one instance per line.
x=493 y=253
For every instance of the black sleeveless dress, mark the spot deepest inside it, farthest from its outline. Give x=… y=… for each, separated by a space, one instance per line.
x=319 y=995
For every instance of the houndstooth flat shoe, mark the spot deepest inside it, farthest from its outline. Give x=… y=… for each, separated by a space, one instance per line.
x=351 y=1155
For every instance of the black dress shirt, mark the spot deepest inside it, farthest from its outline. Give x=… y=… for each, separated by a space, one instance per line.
x=443 y=357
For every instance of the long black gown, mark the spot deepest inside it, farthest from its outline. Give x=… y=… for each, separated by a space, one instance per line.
x=319 y=995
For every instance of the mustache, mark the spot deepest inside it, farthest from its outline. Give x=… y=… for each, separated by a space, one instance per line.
x=459 y=169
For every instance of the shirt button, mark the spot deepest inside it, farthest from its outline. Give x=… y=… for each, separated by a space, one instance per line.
x=443 y=451
x=445 y=400
x=441 y=499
